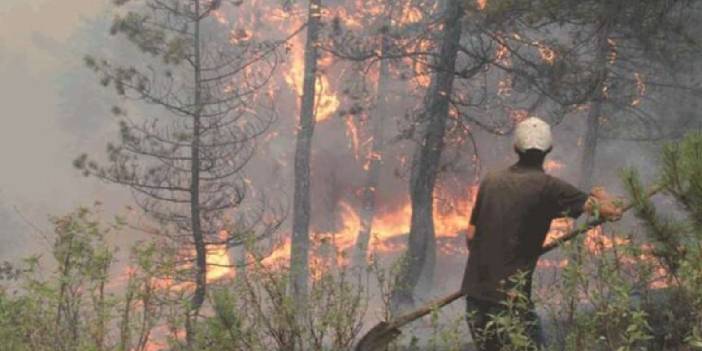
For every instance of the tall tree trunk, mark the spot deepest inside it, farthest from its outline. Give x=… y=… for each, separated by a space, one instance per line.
x=427 y=157
x=368 y=197
x=587 y=167
x=299 y=269
x=200 y=250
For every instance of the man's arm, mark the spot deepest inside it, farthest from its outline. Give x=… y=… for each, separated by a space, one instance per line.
x=567 y=200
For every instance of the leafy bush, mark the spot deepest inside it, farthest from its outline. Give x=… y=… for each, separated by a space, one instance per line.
x=79 y=307
x=69 y=309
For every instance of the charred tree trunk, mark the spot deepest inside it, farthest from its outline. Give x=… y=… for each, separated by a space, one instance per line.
x=427 y=157
x=299 y=256
x=368 y=197
x=200 y=251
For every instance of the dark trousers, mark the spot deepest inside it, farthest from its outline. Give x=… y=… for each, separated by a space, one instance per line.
x=487 y=338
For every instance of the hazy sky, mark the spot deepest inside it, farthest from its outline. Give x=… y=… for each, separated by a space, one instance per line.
x=36 y=145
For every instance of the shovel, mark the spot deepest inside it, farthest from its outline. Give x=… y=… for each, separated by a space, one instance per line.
x=382 y=334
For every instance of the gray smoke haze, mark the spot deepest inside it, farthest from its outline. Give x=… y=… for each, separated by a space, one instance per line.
x=41 y=71
x=53 y=109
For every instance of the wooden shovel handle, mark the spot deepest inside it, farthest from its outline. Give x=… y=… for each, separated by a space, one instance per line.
x=384 y=332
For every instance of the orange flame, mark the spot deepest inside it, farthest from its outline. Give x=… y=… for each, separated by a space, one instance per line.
x=547 y=54
x=218 y=267
x=553 y=166
x=596 y=242
x=502 y=53
x=326 y=100
x=640 y=89
x=219 y=264
x=340 y=241
x=352 y=131
x=612 y=55
x=279 y=256
x=451 y=219
x=422 y=72
x=411 y=14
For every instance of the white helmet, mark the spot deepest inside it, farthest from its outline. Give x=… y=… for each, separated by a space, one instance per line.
x=533 y=133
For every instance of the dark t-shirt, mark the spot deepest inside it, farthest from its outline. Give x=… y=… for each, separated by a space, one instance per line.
x=512 y=216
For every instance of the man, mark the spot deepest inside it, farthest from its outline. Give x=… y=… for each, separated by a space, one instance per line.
x=508 y=226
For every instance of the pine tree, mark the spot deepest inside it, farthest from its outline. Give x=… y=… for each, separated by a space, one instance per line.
x=675 y=241
x=198 y=92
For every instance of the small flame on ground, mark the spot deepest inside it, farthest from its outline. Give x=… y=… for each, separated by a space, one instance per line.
x=547 y=54
x=451 y=219
x=218 y=261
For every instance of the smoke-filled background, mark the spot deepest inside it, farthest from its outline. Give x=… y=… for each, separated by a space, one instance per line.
x=51 y=112
x=54 y=109
x=636 y=82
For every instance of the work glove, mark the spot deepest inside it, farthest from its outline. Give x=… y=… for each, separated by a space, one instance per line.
x=608 y=206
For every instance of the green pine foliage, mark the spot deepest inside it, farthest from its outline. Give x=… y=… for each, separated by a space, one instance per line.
x=676 y=310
